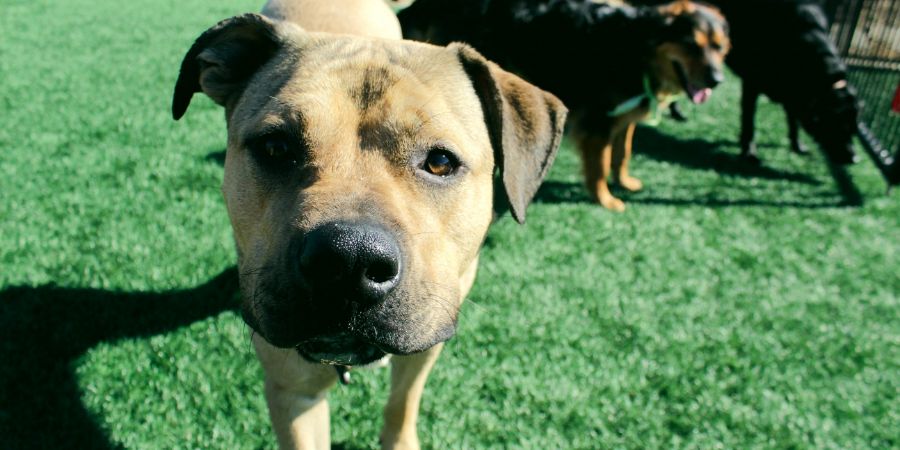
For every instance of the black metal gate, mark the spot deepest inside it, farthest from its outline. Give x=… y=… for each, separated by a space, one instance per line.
x=867 y=34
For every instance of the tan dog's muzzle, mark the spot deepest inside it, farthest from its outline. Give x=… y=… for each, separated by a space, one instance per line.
x=345 y=287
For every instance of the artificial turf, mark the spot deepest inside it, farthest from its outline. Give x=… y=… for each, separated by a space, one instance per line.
x=728 y=307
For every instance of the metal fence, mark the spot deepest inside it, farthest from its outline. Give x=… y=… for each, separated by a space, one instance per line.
x=867 y=34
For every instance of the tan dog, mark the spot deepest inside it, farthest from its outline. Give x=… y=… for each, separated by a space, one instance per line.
x=359 y=184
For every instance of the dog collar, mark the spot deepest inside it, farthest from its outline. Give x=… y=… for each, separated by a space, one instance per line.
x=637 y=100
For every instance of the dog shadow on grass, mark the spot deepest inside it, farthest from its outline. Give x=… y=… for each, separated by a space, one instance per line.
x=44 y=330
x=217 y=157
x=707 y=155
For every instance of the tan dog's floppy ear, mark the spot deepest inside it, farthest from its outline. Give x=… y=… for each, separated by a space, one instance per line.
x=525 y=126
x=224 y=58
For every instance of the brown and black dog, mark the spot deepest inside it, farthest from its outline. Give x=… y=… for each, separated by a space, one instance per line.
x=782 y=49
x=359 y=181
x=611 y=63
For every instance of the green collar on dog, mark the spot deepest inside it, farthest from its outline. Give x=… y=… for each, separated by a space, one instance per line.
x=636 y=101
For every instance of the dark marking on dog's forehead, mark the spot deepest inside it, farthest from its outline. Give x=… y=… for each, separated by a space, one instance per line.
x=372 y=86
x=392 y=138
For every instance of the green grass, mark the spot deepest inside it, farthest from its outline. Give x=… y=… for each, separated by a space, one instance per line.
x=727 y=308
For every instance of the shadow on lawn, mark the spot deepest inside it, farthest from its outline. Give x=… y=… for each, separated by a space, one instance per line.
x=217 y=157
x=45 y=330
x=705 y=155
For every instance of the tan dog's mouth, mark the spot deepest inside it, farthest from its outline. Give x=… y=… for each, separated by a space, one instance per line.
x=344 y=349
x=348 y=335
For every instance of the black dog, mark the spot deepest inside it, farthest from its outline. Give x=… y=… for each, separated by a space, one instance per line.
x=782 y=49
x=611 y=64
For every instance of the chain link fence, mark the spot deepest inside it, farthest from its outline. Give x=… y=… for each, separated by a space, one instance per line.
x=867 y=34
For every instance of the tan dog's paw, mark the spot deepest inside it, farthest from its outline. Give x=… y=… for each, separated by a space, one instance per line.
x=631 y=183
x=611 y=203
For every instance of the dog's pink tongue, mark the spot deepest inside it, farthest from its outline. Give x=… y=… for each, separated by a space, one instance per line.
x=701 y=96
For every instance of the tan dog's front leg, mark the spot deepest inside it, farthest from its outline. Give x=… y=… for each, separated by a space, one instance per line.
x=621 y=156
x=296 y=392
x=408 y=375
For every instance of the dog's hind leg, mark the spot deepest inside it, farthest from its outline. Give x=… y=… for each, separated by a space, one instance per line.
x=296 y=394
x=596 y=156
x=794 y=133
x=408 y=376
x=749 y=94
x=621 y=155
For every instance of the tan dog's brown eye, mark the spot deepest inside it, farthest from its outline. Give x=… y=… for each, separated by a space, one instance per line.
x=276 y=148
x=441 y=163
x=274 y=151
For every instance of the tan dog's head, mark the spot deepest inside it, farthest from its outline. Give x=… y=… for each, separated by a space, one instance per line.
x=359 y=178
x=691 y=55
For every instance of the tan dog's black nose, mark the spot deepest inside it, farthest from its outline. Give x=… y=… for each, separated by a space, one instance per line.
x=357 y=261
